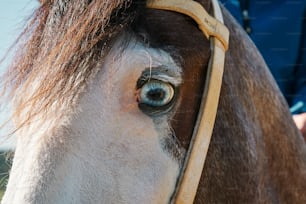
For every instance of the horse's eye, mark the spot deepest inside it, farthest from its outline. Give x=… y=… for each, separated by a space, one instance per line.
x=155 y=96
x=156 y=93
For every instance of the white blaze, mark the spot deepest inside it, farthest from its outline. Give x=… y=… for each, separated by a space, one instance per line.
x=108 y=151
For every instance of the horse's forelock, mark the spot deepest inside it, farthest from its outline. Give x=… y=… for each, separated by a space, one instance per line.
x=64 y=44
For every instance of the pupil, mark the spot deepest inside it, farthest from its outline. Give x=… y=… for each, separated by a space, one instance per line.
x=156 y=94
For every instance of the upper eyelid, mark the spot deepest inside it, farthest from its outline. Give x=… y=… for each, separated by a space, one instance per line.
x=161 y=73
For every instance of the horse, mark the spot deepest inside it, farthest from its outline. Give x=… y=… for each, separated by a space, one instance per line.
x=105 y=97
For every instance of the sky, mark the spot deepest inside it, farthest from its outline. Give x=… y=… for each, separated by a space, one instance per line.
x=13 y=15
x=12 y=19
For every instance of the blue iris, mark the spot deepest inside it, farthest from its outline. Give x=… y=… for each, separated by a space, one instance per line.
x=156 y=93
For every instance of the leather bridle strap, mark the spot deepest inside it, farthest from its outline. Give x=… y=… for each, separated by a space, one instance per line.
x=214 y=29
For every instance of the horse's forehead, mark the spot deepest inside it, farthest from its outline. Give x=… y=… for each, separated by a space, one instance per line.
x=136 y=57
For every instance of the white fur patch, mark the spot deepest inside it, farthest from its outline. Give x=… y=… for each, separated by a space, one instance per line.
x=110 y=152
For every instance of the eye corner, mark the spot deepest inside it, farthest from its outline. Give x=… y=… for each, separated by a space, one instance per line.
x=141 y=81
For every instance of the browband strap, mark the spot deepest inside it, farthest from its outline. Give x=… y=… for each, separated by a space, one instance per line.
x=218 y=34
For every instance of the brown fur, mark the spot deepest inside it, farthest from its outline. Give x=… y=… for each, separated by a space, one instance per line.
x=256 y=154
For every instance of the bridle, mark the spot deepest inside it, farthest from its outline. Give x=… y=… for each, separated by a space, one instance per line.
x=214 y=29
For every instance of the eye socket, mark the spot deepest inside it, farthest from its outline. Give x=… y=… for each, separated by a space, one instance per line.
x=156 y=93
x=155 y=97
